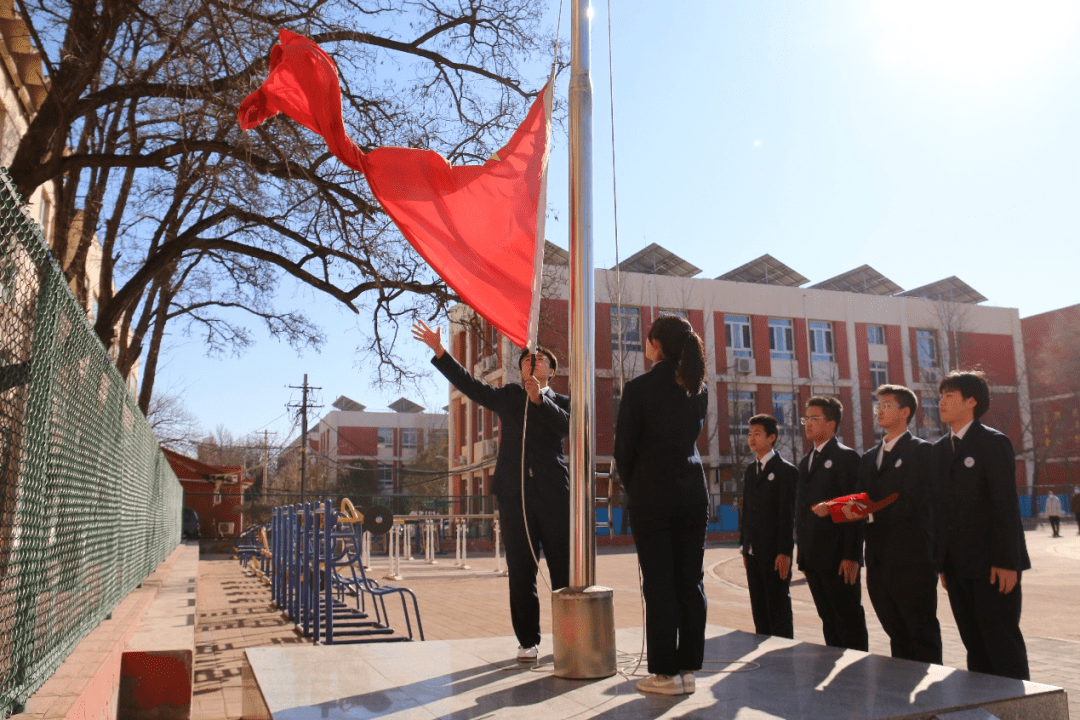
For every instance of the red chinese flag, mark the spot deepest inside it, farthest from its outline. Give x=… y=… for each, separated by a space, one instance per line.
x=481 y=227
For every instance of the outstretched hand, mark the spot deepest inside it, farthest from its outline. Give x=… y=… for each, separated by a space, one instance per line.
x=431 y=338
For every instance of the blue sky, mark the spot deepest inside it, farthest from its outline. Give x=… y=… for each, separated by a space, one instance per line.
x=924 y=138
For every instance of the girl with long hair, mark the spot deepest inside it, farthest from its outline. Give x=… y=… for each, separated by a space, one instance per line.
x=661 y=415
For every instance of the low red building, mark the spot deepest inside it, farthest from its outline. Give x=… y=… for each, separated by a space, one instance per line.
x=212 y=491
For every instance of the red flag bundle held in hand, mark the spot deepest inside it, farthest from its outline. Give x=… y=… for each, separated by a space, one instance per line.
x=480 y=227
x=852 y=507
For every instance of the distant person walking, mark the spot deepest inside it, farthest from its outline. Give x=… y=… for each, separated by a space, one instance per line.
x=1053 y=512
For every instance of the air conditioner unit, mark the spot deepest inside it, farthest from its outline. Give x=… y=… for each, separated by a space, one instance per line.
x=490 y=448
x=743 y=366
x=487 y=364
x=731 y=486
x=462 y=460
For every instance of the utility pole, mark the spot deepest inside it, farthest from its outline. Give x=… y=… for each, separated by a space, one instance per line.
x=266 y=463
x=303 y=432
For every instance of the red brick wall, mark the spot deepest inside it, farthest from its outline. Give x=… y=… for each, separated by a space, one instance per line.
x=199 y=496
x=722 y=418
x=894 y=340
x=759 y=337
x=802 y=348
x=720 y=346
x=840 y=349
x=993 y=354
x=357 y=440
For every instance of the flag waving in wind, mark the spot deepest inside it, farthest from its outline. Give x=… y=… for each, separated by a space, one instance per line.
x=480 y=227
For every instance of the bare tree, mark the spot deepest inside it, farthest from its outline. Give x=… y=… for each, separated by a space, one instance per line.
x=199 y=222
x=173 y=424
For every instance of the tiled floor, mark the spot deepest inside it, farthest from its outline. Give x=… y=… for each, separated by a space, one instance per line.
x=771 y=678
x=235 y=613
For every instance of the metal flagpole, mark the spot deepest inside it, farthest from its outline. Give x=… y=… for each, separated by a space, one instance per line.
x=583 y=615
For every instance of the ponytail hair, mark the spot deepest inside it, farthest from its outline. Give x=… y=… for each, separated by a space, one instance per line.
x=679 y=342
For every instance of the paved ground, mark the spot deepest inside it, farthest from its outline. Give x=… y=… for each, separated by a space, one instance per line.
x=234 y=612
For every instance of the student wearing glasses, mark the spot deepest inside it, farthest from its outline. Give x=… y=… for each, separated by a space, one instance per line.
x=900 y=576
x=830 y=554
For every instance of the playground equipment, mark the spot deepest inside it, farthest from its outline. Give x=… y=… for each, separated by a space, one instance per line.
x=313 y=556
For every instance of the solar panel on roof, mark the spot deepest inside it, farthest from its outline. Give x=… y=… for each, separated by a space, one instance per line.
x=765 y=270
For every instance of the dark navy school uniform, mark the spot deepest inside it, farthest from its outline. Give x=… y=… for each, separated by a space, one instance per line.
x=657 y=458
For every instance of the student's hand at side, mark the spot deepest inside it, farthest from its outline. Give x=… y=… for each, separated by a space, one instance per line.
x=431 y=338
x=850 y=570
x=1005 y=579
x=782 y=565
x=820 y=509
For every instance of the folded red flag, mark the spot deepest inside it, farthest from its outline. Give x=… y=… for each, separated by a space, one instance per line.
x=480 y=227
x=855 y=507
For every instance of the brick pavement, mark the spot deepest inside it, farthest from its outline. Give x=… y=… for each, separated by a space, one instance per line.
x=235 y=612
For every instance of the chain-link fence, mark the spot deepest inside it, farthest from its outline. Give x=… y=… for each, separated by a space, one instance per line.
x=88 y=504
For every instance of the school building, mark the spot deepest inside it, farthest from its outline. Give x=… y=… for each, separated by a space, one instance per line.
x=772 y=339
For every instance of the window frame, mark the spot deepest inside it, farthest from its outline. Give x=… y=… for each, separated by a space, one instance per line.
x=781 y=329
x=737 y=327
x=872 y=336
x=883 y=369
x=821 y=332
x=927 y=339
x=625 y=329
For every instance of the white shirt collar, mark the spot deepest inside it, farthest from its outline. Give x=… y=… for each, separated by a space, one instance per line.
x=888 y=446
x=959 y=434
x=819 y=448
x=768 y=456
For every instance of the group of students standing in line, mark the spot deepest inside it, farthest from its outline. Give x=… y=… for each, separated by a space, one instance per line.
x=956 y=515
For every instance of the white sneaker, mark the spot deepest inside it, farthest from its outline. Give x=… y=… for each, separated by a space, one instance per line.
x=661 y=685
x=526 y=654
x=689 y=685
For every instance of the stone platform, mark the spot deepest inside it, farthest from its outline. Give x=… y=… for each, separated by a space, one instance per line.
x=745 y=676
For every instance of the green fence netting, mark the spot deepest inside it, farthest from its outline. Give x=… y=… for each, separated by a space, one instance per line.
x=88 y=504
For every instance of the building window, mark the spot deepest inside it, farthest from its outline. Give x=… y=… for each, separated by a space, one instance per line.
x=671 y=311
x=386 y=437
x=441 y=437
x=875 y=334
x=781 y=339
x=737 y=332
x=478 y=422
x=385 y=478
x=879 y=374
x=740 y=410
x=930 y=427
x=625 y=329
x=821 y=344
x=408 y=438
x=783 y=409
x=926 y=342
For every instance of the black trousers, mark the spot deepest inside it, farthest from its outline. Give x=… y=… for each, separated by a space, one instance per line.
x=770 y=597
x=671 y=550
x=549 y=530
x=905 y=600
x=840 y=608
x=1055 y=524
x=989 y=625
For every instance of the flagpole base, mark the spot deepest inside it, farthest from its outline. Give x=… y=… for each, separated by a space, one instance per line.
x=583 y=626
